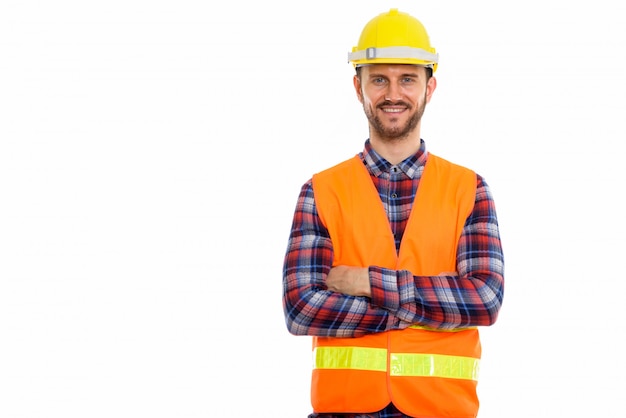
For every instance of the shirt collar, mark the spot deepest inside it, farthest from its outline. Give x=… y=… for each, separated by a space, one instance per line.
x=411 y=166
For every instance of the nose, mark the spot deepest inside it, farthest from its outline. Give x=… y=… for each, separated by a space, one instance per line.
x=394 y=92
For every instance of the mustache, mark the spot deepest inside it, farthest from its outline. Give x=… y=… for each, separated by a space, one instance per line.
x=396 y=103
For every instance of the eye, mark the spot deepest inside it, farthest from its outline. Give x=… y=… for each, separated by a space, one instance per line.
x=378 y=80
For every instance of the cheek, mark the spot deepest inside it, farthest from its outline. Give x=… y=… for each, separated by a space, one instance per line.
x=367 y=103
x=366 y=100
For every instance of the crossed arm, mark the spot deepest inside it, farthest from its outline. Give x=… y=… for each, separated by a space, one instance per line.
x=349 y=301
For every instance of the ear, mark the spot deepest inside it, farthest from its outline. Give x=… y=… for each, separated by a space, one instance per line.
x=431 y=85
x=357 y=87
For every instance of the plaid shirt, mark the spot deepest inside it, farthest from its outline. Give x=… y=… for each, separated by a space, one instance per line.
x=399 y=299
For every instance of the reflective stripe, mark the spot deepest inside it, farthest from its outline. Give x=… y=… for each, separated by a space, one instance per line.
x=398 y=52
x=434 y=365
x=402 y=364
x=360 y=358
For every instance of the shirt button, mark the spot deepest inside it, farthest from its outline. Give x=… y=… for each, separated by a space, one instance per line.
x=393 y=195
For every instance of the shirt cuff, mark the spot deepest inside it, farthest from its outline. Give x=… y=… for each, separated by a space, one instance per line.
x=384 y=288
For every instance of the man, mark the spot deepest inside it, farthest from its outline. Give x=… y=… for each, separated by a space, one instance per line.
x=394 y=257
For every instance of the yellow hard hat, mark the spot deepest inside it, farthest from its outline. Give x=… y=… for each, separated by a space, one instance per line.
x=394 y=38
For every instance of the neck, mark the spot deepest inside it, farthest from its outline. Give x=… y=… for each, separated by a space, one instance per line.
x=396 y=150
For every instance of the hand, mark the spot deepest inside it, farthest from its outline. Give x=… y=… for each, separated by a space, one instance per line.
x=353 y=281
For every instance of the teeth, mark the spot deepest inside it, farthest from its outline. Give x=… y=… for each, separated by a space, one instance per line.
x=392 y=110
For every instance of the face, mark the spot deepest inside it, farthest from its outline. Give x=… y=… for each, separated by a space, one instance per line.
x=394 y=97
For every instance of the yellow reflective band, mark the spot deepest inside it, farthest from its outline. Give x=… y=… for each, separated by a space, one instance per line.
x=434 y=365
x=360 y=358
x=407 y=364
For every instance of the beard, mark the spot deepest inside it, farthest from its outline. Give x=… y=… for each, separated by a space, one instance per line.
x=395 y=132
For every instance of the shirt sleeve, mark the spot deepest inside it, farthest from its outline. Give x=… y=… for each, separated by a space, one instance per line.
x=309 y=308
x=472 y=297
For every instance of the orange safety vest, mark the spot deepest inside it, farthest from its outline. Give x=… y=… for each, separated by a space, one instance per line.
x=424 y=372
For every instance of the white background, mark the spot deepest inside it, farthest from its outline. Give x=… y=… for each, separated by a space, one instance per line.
x=151 y=153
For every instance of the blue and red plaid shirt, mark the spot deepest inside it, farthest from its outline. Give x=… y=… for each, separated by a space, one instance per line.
x=399 y=299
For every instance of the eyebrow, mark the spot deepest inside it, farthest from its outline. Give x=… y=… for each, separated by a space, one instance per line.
x=416 y=75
